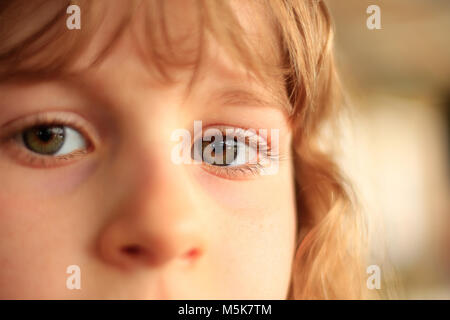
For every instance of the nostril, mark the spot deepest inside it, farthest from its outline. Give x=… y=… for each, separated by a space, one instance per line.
x=132 y=250
x=136 y=251
x=192 y=254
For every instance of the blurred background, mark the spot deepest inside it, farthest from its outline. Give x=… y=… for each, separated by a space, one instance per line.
x=398 y=84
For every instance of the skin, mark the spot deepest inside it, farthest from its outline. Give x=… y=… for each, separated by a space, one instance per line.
x=138 y=225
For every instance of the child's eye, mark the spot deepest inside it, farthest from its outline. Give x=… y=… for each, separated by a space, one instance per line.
x=56 y=140
x=236 y=154
x=48 y=140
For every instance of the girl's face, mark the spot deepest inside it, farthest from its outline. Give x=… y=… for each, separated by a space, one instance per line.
x=88 y=178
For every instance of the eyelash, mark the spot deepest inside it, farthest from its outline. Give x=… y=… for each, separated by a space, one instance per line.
x=18 y=150
x=249 y=169
x=29 y=158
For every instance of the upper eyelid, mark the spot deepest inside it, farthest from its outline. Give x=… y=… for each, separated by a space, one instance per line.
x=239 y=130
x=75 y=121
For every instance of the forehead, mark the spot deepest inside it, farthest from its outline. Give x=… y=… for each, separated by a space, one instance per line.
x=167 y=40
x=178 y=33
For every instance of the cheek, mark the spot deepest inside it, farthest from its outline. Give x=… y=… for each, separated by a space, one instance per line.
x=254 y=195
x=255 y=233
x=37 y=244
x=39 y=231
x=260 y=254
x=31 y=252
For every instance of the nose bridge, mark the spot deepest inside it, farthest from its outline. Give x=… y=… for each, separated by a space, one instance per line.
x=156 y=220
x=163 y=199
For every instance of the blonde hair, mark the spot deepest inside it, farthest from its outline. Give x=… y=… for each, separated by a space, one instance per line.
x=330 y=254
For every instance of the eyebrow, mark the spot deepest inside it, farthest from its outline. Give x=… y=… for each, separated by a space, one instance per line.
x=248 y=97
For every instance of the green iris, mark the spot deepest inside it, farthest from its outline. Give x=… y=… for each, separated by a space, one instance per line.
x=46 y=140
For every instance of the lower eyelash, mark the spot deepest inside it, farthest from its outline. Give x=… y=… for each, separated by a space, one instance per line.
x=30 y=159
x=243 y=171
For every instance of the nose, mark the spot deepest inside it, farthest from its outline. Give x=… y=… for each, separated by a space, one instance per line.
x=145 y=242
x=155 y=223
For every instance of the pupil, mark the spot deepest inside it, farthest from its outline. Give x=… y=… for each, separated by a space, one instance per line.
x=47 y=134
x=44 y=134
x=224 y=149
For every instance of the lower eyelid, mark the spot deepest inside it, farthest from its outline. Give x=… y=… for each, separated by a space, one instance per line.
x=15 y=149
x=244 y=172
